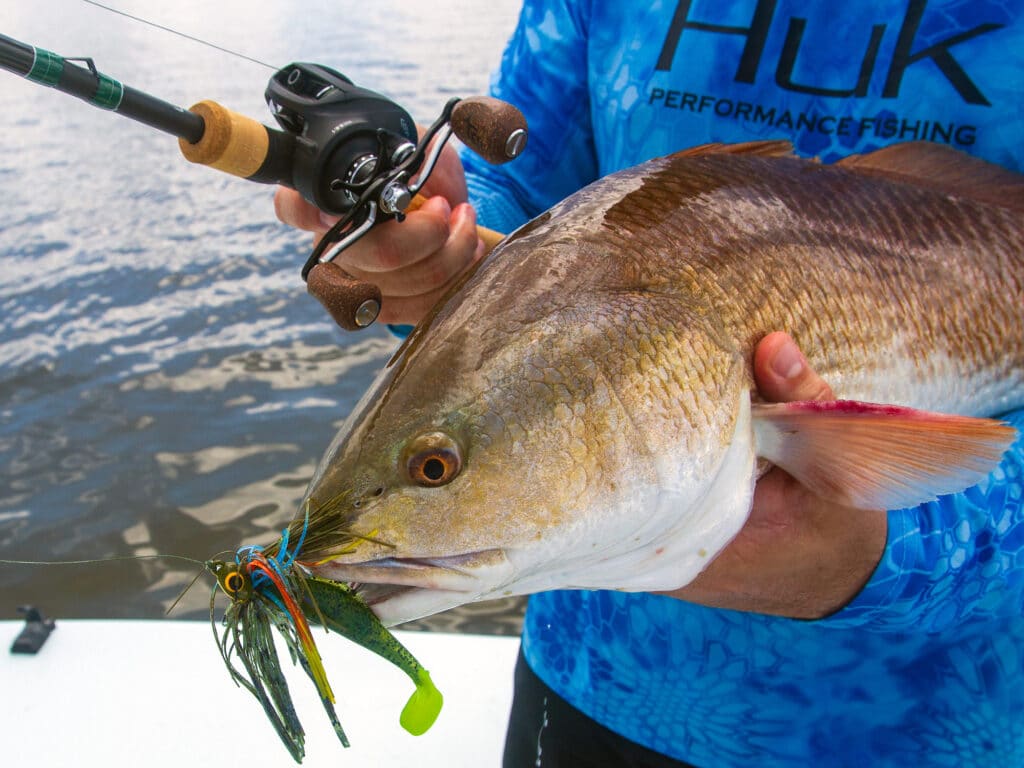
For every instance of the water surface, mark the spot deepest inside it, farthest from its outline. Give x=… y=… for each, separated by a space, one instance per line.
x=166 y=385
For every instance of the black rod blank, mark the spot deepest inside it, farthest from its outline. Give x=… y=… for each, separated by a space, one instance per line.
x=46 y=68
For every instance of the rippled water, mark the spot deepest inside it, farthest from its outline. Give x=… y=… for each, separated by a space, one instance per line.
x=166 y=385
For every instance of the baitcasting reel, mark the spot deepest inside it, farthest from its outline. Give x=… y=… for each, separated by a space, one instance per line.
x=357 y=155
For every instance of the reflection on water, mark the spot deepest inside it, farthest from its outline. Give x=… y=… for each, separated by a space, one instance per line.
x=166 y=386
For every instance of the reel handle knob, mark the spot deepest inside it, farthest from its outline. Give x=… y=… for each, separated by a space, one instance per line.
x=492 y=128
x=353 y=304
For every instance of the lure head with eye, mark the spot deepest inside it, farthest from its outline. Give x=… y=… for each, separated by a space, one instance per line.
x=232 y=580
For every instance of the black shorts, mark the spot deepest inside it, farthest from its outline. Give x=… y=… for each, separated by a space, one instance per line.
x=546 y=731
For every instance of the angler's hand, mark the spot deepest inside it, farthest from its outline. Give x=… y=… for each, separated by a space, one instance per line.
x=798 y=555
x=412 y=262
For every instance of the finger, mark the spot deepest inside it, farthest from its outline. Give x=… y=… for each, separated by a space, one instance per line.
x=294 y=211
x=394 y=245
x=448 y=178
x=438 y=269
x=783 y=374
x=409 y=310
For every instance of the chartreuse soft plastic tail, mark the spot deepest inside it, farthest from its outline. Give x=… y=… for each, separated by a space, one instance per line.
x=343 y=612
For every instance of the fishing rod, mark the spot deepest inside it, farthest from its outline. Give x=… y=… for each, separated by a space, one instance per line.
x=347 y=150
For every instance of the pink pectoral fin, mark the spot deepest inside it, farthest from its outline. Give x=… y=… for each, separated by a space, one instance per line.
x=878 y=456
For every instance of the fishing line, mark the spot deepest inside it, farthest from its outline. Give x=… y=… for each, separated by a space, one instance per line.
x=185 y=590
x=180 y=34
x=5 y=561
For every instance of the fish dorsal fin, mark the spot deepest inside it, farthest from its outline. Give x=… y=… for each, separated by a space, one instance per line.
x=937 y=166
x=754 y=148
x=878 y=456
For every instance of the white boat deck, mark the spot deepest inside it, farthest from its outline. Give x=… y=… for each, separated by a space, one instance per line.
x=155 y=693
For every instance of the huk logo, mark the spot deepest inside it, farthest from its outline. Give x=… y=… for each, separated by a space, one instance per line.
x=904 y=55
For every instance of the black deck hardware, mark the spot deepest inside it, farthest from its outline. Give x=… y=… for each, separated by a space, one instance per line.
x=32 y=636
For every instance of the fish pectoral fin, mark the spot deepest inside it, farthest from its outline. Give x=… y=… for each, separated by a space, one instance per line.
x=874 y=456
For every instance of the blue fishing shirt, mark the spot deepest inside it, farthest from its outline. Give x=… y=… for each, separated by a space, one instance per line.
x=926 y=665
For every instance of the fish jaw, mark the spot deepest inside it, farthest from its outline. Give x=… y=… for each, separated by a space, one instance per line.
x=403 y=589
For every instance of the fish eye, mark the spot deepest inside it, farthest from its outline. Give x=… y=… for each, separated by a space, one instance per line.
x=433 y=460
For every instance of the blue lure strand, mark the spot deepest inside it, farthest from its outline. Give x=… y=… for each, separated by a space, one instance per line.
x=281 y=564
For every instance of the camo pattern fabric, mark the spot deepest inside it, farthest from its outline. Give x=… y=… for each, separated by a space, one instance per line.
x=926 y=665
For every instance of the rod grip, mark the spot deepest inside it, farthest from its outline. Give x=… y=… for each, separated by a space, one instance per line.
x=231 y=142
x=492 y=128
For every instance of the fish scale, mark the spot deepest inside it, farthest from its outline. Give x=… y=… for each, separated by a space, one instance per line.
x=896 y=273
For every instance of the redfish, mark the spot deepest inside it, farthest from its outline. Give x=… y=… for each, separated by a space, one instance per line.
x=580 y=412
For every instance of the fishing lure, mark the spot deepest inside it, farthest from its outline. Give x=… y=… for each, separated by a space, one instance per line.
x=270 y=590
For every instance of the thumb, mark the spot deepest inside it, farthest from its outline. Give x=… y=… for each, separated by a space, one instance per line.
x=783 y=374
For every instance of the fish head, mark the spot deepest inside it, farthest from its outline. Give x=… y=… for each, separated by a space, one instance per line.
x=451 y=485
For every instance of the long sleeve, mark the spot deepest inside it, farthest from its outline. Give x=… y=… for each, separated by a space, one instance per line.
x=544 y=73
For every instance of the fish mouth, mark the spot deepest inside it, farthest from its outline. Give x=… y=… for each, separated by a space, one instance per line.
x=400 y=589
